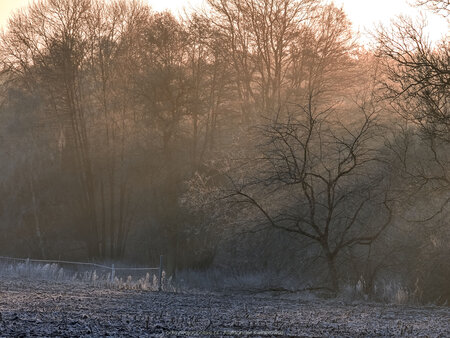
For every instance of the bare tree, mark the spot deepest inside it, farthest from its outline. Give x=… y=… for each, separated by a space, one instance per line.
x=114 y=35
x=415 y=84
x=209 y=95
x=417 y=77
x=316 y=176
x=323 y=66
x=47 y=47
x=438 y=6
x=74 y=54
x=258 y=35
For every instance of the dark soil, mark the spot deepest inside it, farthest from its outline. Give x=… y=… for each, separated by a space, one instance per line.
x=41 y=308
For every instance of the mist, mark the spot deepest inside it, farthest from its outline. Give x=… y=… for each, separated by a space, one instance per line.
x=252 y=139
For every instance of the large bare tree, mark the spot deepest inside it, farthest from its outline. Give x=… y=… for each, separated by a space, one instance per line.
x=317 y=176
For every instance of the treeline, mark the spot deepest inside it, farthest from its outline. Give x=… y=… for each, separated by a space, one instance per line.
x=256 y=134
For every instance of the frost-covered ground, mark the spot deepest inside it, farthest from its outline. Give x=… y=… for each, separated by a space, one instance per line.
x=50 y=308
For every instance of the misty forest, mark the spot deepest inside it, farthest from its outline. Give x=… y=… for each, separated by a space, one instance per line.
x=242 y=138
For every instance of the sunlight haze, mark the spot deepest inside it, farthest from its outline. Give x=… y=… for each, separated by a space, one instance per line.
x=224 y=167
x=364 y=14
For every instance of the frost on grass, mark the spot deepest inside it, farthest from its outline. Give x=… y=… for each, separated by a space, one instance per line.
x=61 y=308
x=85 y=275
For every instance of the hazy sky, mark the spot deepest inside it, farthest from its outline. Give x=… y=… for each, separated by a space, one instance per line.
x=363 y=13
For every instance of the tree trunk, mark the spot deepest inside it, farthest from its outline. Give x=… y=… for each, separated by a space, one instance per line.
x=334 y=279
x=36 y=219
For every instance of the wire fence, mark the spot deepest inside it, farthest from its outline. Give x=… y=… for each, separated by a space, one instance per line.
x=111 y=267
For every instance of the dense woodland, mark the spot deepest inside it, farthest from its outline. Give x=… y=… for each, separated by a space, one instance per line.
x=250 y=135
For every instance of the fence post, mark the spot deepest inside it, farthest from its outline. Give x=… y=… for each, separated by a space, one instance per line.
x=160 y=272
x=113 y=273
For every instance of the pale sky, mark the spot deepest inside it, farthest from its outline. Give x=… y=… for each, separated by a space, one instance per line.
x=364 y=14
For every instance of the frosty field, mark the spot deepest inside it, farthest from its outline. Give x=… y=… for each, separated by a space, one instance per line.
x=48 y=308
